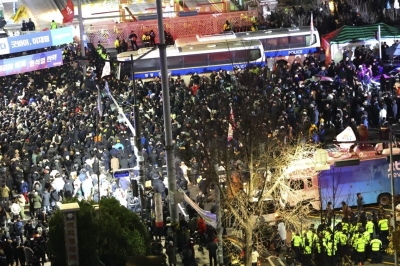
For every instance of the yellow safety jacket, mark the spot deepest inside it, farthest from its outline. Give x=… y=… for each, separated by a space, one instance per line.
x=360 y=245
x=297 y=241
x=376 y=244
x=370 y=227
x=227 y=26
x=117 y=44
x=330 y=249
x=383 y=225
x=145 y=38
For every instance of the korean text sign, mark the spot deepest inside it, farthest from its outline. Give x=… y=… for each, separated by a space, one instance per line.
x=29 y=63
x=37 y=40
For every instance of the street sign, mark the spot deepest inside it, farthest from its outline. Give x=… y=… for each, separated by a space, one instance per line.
x=120 y=174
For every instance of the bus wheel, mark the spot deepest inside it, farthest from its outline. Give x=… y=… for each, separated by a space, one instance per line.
x=384 y=199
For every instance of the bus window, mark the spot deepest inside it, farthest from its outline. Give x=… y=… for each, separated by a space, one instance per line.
x=246 y=55
x=297 y=41
x=270 y=43
x=283 y=42
x=308 y=40
x=309 y=182
x=146 y=65
x=195 y=60
x=296 y=184
x=175 y=62
x=221 y=58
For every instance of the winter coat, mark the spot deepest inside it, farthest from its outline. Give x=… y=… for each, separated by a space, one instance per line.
x=201 y=225
x=36 y=201
x=15 y=209
x=46 y=198
x=68 y=186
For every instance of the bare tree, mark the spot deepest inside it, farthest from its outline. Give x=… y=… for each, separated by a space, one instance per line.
x=367 y=14
x=260 y=163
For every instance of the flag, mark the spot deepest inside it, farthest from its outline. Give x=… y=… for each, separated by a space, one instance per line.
x=68 y=12
x=312 y=29
x=21 y=13
x=209 y=217
x=99 y=104
x=107 y=88
x=106 y=69
x=232 y=124
x=327 y=48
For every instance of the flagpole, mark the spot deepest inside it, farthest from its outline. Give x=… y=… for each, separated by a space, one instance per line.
x=379 y=43
x=311 y=29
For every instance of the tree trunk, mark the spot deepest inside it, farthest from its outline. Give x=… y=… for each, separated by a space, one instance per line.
x=248 y=245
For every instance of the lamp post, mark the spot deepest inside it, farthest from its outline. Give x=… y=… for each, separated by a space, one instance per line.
x=138 y=144
x=392 y=187
x=169 y=149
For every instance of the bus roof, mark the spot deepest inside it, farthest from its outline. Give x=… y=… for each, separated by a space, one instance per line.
x=193 y=48
x=275 y=33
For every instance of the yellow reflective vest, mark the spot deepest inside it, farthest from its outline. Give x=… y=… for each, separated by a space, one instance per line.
x=376 y=244
x=383 y=224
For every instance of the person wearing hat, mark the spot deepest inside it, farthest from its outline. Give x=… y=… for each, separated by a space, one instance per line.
x=171 y=254
x=133 y=39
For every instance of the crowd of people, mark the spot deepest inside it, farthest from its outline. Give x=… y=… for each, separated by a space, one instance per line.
x=353 y=239
x=55 y=145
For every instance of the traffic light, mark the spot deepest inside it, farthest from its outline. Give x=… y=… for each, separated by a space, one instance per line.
x=135 y=188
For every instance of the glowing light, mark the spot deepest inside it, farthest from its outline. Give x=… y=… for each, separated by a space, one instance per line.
x=331 y=6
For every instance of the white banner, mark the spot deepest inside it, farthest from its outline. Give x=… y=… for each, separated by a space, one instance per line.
x=209 y=217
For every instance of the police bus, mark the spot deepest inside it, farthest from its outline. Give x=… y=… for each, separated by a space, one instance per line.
x=286 y=44
x=194 y=56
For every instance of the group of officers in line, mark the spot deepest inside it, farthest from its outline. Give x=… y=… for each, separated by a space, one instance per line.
x=350 y=242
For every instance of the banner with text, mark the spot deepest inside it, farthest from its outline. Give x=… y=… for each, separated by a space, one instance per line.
x=29 y=63
x=37 y=40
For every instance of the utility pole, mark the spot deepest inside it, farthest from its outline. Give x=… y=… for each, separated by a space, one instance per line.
x=82 y=43
x=138 y=145
x=217 y=185
x=169 y=149
x=392 y=187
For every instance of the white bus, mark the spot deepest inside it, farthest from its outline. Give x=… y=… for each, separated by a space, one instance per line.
x=285 y=45
x=194 y=56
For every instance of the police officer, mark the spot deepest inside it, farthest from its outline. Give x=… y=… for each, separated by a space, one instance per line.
x=342 y=247
x=330 y=247
x=376 y=246
x=383 y=226
x=360 y=246
x=297 y=245
x=117 y=45
x=146 y=39
x=53 y=25
x=370 y=227
x=227 y=26
x=307 y=250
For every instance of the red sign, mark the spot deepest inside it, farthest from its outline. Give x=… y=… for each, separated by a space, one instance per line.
x=68 y=12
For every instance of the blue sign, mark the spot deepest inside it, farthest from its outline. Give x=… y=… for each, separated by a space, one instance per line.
x=120 y=174
x=61 y=36
x=294 y=51
x=29 y=63
x=37 y=40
